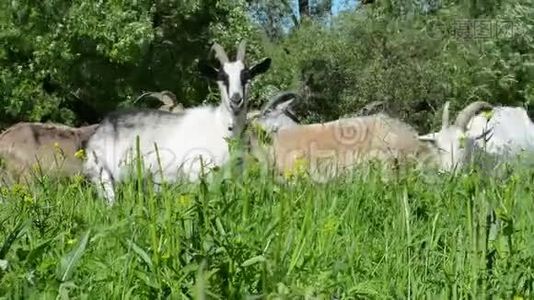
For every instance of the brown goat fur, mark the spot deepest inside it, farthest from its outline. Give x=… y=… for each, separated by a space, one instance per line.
x=28 y=149
x=328 y=149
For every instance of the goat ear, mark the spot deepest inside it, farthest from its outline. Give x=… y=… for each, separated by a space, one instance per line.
x=445 y=116
x=284 y=105
x=207 y=70
x=260 y=67
x=431 y=137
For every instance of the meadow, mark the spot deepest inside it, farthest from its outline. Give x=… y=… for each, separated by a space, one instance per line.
x=409 y=235
x=377 y=234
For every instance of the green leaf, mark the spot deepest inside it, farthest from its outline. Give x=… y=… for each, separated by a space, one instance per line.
x=141 y=253
x=3 y=264
x=253 y=260
x=12 y=237
x=37 y=251
x=69 y=261
x=64 y=289
x=148 y=280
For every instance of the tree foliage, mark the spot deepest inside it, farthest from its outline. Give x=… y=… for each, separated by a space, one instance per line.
x=413 y=61
x=73 y=61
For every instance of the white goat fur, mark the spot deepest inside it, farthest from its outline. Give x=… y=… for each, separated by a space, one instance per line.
x=329 y=149
x=455 y=147
x=184 y=140
x=512 y=131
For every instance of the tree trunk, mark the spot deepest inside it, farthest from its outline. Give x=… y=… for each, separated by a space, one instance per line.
x=304 y=8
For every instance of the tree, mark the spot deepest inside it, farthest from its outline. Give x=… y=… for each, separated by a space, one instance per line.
x=59 y=55
x=304 y=8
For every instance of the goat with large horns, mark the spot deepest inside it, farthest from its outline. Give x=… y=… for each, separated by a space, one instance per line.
x=512 y=130
x=276 y=113
x=455 y=147
x=187 y=142
x=512 y=134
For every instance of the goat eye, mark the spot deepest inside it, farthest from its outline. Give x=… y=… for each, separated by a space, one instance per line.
x=222 y=77
x=245 y=76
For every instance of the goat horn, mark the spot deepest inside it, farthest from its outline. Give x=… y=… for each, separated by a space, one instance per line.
x=143 y=95
x=168 y=99
x=445 y=116
x=470 y=111
x=369 y=107
x=241 y=51
x=178 y=107
x=281 y=97
x=220 y=54
x=253 y=114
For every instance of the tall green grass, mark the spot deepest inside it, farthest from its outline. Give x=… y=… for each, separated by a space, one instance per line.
x=414 y=235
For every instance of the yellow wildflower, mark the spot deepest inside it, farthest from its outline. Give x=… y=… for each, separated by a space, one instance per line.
x=28 y=199
x=78 y=179
x=462 y=141
x=21 y=191
x=287 y=174
x=298 y=170
x=262 y=135
x=184 y=200
x=487 y=114
x=330 y=225
x=80 y=154
x=300 y=165
x=58 y=149
x=71 y=241
x=18 y=189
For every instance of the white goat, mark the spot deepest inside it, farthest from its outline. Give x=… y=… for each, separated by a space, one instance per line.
x=512 y=133
x=455 y=147
x=512 y=137
x=185 y=140
x=276 y=113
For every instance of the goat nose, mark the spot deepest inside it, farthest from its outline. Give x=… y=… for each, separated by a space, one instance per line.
x=237 y=100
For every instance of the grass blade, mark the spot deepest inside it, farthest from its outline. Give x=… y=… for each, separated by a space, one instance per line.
x=69 y=261
x=11 y=238
x=141 y=253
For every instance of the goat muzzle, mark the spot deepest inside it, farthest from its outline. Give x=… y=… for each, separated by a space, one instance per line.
x=236 y=102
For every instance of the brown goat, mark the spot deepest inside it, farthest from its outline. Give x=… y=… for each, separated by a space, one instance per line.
x=42 y=148
x=327 y=149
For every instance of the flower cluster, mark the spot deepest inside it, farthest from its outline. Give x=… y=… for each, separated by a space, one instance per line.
x=299 y=170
